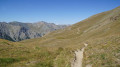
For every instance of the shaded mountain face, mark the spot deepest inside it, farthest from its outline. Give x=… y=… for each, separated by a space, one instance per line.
x=17 y=31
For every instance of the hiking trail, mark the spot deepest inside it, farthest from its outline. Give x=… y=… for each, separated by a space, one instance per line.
x=77 y=62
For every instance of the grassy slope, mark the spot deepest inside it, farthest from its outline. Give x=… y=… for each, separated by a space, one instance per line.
x=100 y=31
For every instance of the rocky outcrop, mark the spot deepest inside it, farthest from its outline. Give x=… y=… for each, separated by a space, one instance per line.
x=17 y=31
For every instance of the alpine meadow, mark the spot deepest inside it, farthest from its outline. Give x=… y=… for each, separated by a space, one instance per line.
x=92 y=42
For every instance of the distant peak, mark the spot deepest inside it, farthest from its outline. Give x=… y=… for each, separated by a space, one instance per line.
x=43 y=22
x=15 y=22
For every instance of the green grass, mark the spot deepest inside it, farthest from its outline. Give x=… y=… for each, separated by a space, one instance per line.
x=7 y=61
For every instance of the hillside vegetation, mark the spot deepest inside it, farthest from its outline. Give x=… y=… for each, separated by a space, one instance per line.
x=56 y=49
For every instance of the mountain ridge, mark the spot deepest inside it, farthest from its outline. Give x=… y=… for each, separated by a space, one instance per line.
x=17 y=31
x=100 y=31
x=57 y=48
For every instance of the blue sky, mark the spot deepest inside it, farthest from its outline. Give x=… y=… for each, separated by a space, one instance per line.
x=54 y=11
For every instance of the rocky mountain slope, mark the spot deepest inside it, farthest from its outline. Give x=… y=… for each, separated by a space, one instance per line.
x=57 y=49
x=17 y=31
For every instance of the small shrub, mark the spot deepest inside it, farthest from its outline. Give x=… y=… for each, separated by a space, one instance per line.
x=60 y=38
x=103 y=56
x=6 y=61
x=5 y=43
x=44 y=64
x=37 y=48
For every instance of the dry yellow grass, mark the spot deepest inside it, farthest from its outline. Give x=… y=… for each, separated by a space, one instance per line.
x=100 y=31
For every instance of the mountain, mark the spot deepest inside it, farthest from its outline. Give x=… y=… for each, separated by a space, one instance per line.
x=17 y=31
x=96 y=39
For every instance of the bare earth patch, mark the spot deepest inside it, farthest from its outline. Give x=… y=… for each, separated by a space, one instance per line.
x=78 y=57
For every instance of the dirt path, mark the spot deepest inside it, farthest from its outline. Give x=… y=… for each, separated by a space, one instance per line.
x=78 y=57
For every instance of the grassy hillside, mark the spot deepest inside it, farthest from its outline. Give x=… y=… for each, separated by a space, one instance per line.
x=56 y=49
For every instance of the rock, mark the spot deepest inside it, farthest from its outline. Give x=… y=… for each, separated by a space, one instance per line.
x=17 y=31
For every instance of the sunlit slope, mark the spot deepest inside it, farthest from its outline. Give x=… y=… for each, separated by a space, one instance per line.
x=98 y=30
x=56 y=49
x=97 y=26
